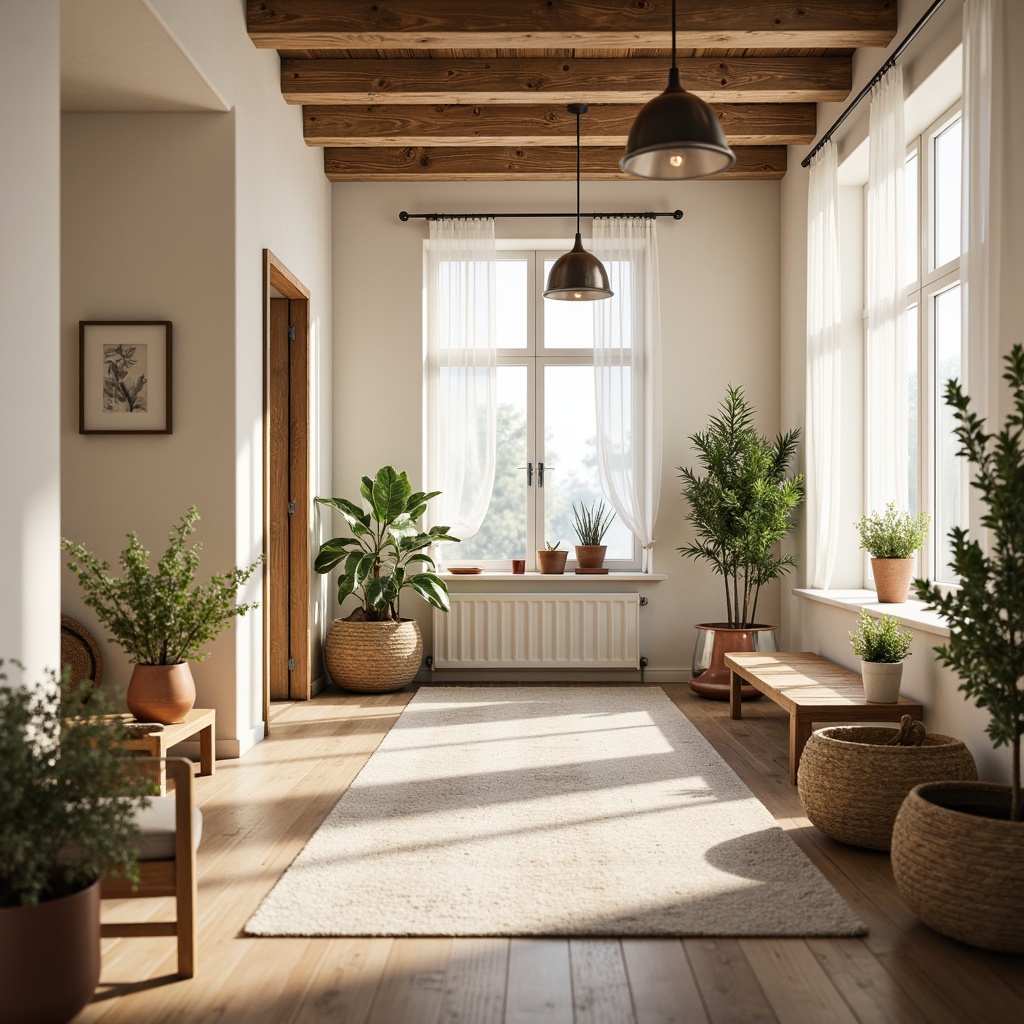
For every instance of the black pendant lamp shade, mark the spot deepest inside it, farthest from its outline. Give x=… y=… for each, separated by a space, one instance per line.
x=578 y=275
x=676 y=135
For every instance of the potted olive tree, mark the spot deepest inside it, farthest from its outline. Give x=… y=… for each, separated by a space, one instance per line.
x=882 y=648
x=891 y=538
x=956 y=853
x=741 y=506
x=67 y=807
x=375 y=650
x=162 y=619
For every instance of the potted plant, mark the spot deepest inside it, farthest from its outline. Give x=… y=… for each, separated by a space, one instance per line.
x=882 y=648
x=741 y=507
x=62 y=828
x=957 y=846
x=591 y=524
x=374 y=650
x=551 y=561
x=891 y=538
x=162 y=619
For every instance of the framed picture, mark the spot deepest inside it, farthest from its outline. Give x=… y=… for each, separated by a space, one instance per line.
x=124 y=377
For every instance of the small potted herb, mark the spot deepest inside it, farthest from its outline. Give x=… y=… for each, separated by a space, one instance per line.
x=551 y=560
x=591 y=524
x=882 y=648
x=891 y=538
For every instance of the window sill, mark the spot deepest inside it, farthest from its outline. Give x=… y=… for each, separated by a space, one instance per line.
x=911 y=614
x=543 y=579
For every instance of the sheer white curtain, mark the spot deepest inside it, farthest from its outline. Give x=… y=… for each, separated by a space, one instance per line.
x=824 y=365
x=887 y=451
x=627 y=374
x=462 y=377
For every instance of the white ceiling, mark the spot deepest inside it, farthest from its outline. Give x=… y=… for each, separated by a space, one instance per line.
x=119 y=55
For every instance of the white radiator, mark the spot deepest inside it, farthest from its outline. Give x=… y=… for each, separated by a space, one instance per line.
x=547 y=631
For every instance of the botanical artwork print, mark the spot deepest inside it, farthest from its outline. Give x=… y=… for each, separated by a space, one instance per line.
x=125 y=384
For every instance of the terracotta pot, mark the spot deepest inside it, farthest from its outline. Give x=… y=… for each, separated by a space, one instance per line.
x=956 y=860
x=881 y=681
x=591 y=556
x=161 y=693
x=551 y=563
x=49 y=958
x=714 y=641
x=892 y=579
x=373 y=657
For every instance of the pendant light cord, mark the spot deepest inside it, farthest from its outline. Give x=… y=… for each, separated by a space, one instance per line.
x=577 y=173
x=674 y=64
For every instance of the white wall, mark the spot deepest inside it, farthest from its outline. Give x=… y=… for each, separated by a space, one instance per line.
x=720 y=316
x=29 y=350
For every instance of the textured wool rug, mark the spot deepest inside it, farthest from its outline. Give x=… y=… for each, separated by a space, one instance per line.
x=550 y=811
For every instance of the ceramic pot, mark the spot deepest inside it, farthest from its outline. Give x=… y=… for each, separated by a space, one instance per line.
x=591 y=556
x=710 y=675
x=881 y=681
x=892 y=579
x=161 y=693
x=373 y=657
x=551 y=563
x=49 y=958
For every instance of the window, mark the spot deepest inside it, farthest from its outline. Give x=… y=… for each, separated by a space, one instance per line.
x=936 y=349
x=546 y=451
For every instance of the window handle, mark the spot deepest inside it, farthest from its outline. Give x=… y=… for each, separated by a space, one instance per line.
x=529 y=473
x=540 y=473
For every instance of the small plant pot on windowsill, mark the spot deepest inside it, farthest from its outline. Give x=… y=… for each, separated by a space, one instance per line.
x=892 y=579
x=590 y=558
x=881 y=681
x=551 y=563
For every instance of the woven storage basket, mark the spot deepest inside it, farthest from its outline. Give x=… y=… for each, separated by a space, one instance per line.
x=373 y=657
x=851 y=784
x=957 y=862
x=80 y=652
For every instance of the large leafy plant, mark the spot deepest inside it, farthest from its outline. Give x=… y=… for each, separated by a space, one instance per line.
x=62 y=825
x=387 y=549
x=742 y=504
x=162 y=617
x=985 y=614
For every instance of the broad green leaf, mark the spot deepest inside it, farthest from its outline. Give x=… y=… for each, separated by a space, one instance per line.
x=431 y=588
x=380 y=592
x=332 y=552
x=391 y=491
x=366 y=490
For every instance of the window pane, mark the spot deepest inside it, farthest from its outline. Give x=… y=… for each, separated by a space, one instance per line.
x=912 y=238
x=511 y=306
x=503 y=532
x=948 y=468
x=912 y=406
x=567 y=324
x=570 y=464
x=946 y=154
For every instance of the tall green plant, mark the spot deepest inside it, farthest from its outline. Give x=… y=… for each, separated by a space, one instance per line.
x=162 y=617
x=985 y=614
x=386 y=543
x=742 y=505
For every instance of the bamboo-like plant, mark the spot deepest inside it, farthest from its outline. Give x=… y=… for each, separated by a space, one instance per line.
x=985 y=614
x=742 y=505
x=590 y=523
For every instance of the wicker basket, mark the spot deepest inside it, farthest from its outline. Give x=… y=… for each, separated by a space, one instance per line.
x=80 y=653
x=373 y=657
x=957 y=862
x=851 y=783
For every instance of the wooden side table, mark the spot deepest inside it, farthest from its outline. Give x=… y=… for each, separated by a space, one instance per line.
x=199 y=720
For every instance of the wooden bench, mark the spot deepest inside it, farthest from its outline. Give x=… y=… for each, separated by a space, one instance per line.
x=812 y=690
x=201 y=721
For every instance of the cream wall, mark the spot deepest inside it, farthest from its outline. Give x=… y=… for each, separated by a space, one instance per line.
x=720 y=316
x=29 y=354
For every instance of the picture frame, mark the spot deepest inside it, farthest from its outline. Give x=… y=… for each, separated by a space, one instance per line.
x=124 y=379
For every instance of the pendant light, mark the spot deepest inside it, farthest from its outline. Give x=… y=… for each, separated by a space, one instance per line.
x=676 y=135
x=578 y=275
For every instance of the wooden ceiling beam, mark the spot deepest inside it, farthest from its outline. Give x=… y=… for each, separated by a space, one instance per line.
x=510 y=163
x=545 y=24
x=535 y=125
x=593 y=80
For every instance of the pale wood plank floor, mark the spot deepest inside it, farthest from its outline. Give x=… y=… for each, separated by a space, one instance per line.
x=260 y=811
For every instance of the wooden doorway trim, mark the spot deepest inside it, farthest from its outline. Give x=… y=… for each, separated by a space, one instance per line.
x=286 y=435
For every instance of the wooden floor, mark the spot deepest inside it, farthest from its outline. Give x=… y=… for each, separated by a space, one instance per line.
x=259 y=812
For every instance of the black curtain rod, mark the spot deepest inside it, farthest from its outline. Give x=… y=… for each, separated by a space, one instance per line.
x=674 y=214
x=875 y=79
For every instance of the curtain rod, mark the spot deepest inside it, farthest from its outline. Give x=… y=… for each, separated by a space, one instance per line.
x=674 y=214
x=875 y=79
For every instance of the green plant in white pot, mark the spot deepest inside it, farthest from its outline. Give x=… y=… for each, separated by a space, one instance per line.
x=957 y=846
x=892 y=538
x=882 y=648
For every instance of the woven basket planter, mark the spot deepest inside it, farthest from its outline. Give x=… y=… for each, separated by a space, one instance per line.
x=957 y=862
x=892 y=579
x=373 y=657
x=851 y=784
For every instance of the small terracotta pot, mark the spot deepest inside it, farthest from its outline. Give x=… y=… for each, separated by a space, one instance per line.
x=591 y=556
x=161 y=693
x=892 y=579
x=551 y=563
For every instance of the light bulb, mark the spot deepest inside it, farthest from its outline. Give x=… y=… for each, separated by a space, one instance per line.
x=577 y=295
x=676 y=160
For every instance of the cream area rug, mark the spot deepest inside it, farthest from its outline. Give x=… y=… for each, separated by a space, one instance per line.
x=550 y=811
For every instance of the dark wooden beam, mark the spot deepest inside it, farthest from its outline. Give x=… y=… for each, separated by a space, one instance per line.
x=593 y=80
x=537 y=125
x=510 y=163
x=545 y=24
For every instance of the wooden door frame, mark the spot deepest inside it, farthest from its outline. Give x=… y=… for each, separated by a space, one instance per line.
x=276 y=276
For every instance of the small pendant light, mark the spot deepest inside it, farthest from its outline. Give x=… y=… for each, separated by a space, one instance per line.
x=676 y=135
x=578 y=275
